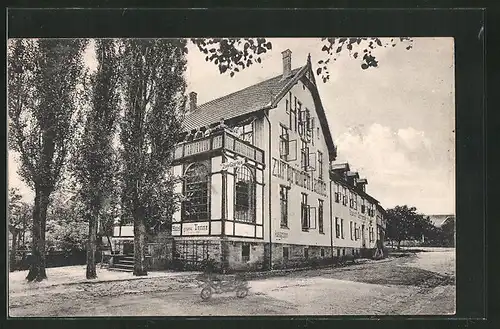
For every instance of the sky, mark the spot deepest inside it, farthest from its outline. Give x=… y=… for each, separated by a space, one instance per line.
x=394 y=124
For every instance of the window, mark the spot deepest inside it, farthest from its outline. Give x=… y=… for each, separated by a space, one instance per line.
x=306 y=253
x=343 y=252
x=245 y=252
x=342 y=228
x=304 y=212
x=344 y=196
x=293 y=114
x=337 y=193
x=351 y=230
x=287 y=109
x=353 y=202
x=363 y=207
x=304 y=155
x=355 y=231
x=196 y=204
x=285 y=253
x=337 y=228
x=320 y=216
x=322 y=252
x=284 y=143
x=320 y=164
x=284 y=205
x=308 y=120
x=244 y=198
x=338 y=252
x=317 y=133
x=245 y=132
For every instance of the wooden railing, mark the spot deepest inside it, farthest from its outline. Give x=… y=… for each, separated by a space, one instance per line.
x=298 y=177
x=218 y=141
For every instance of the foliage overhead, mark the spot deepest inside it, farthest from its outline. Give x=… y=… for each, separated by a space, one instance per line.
x=235 y=54
x=44 y=97
x=95 y=160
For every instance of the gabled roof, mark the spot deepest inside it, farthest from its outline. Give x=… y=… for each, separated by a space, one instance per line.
x=338 y=178
x=362 y=181
x=340 y=166
x=261 y=96
x=353 y=174
x=242 y=102
x=439 y=220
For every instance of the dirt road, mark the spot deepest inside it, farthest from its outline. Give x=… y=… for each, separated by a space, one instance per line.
x=394 y=286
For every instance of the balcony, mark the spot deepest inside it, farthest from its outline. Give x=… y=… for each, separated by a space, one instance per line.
x=292 y=175
x=217 y=142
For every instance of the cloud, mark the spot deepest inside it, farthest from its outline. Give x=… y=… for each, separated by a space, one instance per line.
x=414 y=139
x=397 y=167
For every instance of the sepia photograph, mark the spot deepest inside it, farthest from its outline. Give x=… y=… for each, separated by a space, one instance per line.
x=231 y=176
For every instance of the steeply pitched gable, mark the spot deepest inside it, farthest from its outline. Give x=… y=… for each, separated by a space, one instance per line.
x=261 y=96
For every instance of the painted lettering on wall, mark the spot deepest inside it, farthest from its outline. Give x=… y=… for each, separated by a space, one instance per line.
x=232 y=163
x=280 y=235
x=176 y=229
x=195 y=228
x=292 y=175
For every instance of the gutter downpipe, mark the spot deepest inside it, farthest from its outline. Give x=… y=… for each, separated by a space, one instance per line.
x=331 y=216
x=269 y=189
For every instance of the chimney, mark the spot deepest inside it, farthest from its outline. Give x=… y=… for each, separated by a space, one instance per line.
x=192 y=101
x=287 y=63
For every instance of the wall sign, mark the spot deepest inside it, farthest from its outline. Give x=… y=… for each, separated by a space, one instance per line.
x=280 y=235
x=195 y=228
x=232 y=164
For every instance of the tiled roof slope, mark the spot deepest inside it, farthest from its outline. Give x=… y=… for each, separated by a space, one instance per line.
x=239 y=103
x=438 y=220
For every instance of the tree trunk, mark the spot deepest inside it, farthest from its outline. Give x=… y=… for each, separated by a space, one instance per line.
x=13 y=250
x=37 y=267
x=139 y=243
x=91 y=246
x=110 y=244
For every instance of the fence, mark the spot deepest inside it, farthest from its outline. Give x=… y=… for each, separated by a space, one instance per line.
x=23 y=259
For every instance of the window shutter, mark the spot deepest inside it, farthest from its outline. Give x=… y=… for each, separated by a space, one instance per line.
x=311 y=217
x=311 y=161
x=292 y=150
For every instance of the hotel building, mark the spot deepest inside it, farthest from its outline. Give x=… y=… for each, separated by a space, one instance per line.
x=260 y=184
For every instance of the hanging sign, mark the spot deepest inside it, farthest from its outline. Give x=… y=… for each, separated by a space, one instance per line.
x=232 y=164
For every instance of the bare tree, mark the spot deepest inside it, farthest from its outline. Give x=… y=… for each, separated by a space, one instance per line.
x=43 y=79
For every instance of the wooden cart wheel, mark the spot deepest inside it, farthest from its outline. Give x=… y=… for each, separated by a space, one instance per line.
x=206 y=293
x=241 y=292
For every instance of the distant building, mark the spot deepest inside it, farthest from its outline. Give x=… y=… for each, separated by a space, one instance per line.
x=440 y=220
x=260 y=182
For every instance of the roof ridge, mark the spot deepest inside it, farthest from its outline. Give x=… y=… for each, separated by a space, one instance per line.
x=250 y=86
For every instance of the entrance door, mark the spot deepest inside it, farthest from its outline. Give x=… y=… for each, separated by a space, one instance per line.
x=128 y=248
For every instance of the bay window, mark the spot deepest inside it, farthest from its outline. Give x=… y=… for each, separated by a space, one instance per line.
x=244 y=195
x=196 y=184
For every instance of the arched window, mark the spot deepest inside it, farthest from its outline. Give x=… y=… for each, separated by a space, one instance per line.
x=196 y=204
x=244 y=195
